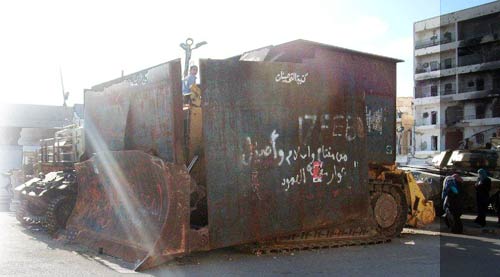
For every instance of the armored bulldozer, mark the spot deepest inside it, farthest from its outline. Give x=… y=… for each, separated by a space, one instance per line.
x=48 y=199
x=285 y=147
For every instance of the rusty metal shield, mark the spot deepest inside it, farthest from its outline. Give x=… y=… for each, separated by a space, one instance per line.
x=285 y=149
x=132 y=205
x=141 y=111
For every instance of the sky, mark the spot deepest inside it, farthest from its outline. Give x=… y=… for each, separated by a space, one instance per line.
x=93 y=41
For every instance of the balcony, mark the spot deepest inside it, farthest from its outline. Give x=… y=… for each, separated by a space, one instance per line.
x=474 y=94
x=478 y=120
x=492 y=31
x=428 y=93
x=449 y=92
x=435 y=66
x=419 y=44
x=425 y=99
x=478 y=58
x=476 y=68
x=435 y=69
x=430 y=128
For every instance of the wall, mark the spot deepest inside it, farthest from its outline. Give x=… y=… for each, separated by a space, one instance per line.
x=464 y=80
x=423 y=88
x=423 y=140
x=421 y=109
x=378 y=79
x=479 y=26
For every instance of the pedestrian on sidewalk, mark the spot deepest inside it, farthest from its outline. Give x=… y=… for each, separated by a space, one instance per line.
x=452 y=197
x=483 y=186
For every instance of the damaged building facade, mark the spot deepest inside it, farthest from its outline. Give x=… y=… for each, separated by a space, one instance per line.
x=457 y=79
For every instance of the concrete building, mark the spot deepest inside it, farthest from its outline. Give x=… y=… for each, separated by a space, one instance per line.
x=457 y=79
x=22 y=126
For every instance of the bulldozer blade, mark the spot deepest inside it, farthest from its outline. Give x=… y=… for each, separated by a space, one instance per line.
x=133 y=206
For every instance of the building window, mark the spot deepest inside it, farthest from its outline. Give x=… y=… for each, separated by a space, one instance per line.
x=433 y=118
x=480 y=84
x=480 y=111
x=447 y=63
x=425 y=115
x=454 y=114
x=448 y=88
x=496 y=108
x=470 y=84
x=434 y=66
x=496 y=81
x=447 y=37
x=434 y=90
x=434 y=142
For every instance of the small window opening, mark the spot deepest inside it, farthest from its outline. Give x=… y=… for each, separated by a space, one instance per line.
x=434 y=142
x=434 y=118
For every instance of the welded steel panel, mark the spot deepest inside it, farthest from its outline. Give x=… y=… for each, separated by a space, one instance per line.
x=378 y=80
x=141 y=111
x=375 y=76
x=285 y=149
x=132 y=205
x=105 y=121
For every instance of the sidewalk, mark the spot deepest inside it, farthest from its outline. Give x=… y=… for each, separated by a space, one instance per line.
x=492 y=226
x=470 y=228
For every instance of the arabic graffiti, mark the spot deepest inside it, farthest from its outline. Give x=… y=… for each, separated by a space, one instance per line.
x=341 y=126
x=139 y=79
x=315 y=169
x=319 y=164
x=291 y=77
x=374 y=120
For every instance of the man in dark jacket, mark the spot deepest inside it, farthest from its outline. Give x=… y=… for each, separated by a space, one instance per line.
x=452 y=197
x=483 y=186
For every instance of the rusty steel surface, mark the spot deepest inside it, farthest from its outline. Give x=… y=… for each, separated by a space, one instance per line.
x=374 y=75
x=132 y=205
x=142 y=111
x=285 y=149
x=50 y=167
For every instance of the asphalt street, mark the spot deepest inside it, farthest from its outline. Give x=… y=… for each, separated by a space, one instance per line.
x=416 y=253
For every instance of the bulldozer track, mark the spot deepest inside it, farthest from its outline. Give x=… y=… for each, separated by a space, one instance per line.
x=26 y=218
x=290 y=245
x=334 y=238
x=53 y=222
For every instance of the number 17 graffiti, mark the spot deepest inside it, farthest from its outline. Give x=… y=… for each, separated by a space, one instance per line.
x=339 y=125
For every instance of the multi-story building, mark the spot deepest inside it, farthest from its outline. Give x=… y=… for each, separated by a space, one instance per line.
x=457 y=79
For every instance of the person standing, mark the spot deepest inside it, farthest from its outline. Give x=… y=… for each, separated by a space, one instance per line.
x=189 y=80
x=453 y=202
x=483 y=186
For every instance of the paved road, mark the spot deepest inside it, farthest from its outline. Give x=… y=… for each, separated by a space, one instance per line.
x=27 y=253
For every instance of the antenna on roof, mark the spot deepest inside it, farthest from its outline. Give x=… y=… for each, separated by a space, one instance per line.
x=64 y=93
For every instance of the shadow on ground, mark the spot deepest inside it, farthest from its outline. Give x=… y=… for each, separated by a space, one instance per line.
x=59 y=241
